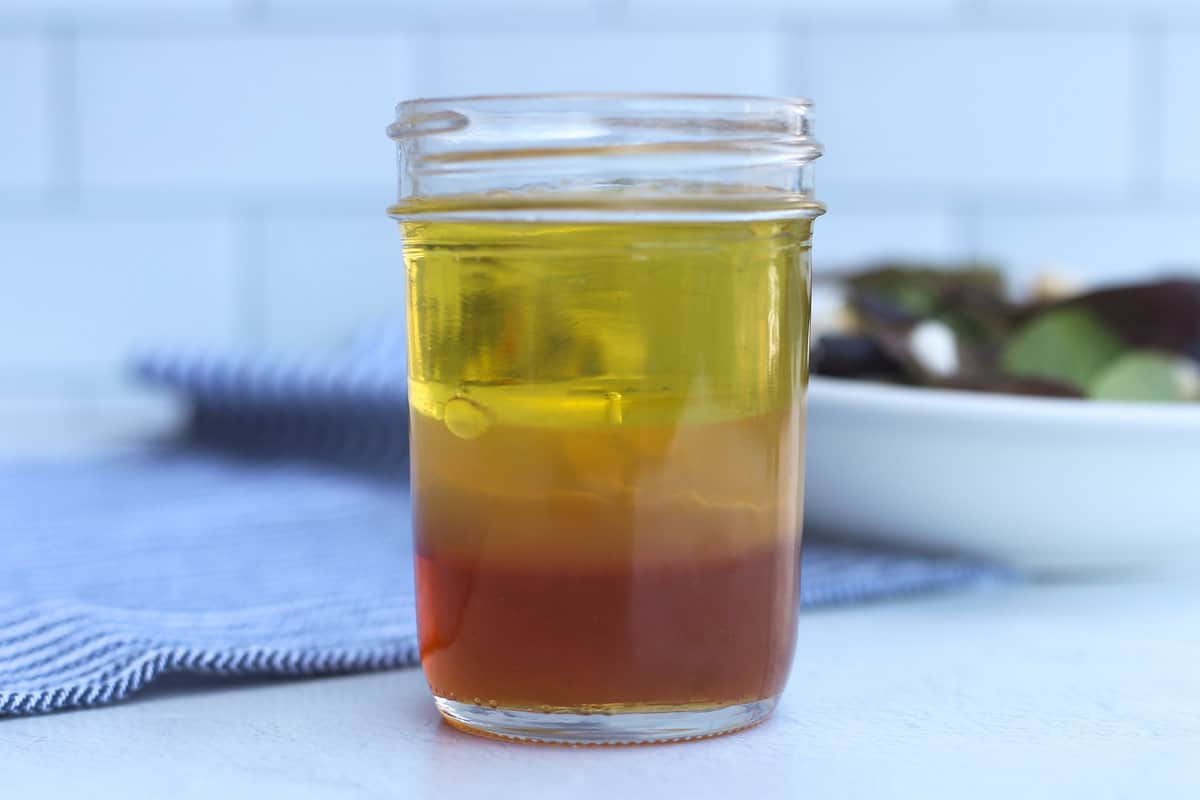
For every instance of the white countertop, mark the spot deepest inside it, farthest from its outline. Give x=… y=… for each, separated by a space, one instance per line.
x=1086 y=689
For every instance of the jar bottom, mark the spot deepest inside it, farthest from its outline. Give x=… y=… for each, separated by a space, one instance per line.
x=629 y=725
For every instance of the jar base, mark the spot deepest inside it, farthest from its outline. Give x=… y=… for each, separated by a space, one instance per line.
x=630 y=726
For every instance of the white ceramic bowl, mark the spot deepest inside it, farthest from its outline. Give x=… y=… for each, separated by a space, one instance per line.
x=1048 y=485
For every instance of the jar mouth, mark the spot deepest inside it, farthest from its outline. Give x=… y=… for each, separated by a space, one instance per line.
x=586 y=98
x=631 y=148
x=491 y=126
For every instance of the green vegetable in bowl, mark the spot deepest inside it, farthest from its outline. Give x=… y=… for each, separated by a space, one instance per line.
x=958 y=329
x=1068 y=345
x=1140 y=376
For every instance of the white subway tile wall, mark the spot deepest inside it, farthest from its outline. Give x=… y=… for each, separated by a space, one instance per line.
x=324 y=279
x=763 y=14
x=95 y=9
x=247 y=112
x=82 y=291
x=1181 y=121
x=1098 y=11
x=852 y=238
x=215 y=171
x=26 y=139
x=1103 y=245
x=973 y=111
x=509 y=15
x=723 y=63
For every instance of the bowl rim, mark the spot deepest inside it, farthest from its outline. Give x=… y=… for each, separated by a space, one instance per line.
x=958 y=405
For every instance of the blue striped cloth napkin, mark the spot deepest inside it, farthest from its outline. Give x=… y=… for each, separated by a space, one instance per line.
x=259 y=553
x=348 y=408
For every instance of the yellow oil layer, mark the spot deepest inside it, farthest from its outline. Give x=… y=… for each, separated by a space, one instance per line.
x=607 y=324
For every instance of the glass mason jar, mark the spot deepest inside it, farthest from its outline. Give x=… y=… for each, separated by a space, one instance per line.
x=608 y=301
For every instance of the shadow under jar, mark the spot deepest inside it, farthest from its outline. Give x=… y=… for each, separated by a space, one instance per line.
x=608 y=302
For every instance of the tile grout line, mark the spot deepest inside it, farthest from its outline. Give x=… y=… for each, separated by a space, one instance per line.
x=972 y=11
x=253 y=13
x=250 y=289
x=63 y=110
x=427 y=52
x=965 y=214
x=1147 y=111
x=607 y=14
x=612 y=13
x=794 y=70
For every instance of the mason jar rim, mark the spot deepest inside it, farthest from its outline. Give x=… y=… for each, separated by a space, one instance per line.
x=429 y=115
x=782 y=100
x=672 y=153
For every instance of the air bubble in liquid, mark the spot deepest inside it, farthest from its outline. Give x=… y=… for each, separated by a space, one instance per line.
x=465 y=418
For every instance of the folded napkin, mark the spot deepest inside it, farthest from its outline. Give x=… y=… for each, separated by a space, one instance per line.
x=260 y=553
x=349 y=407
